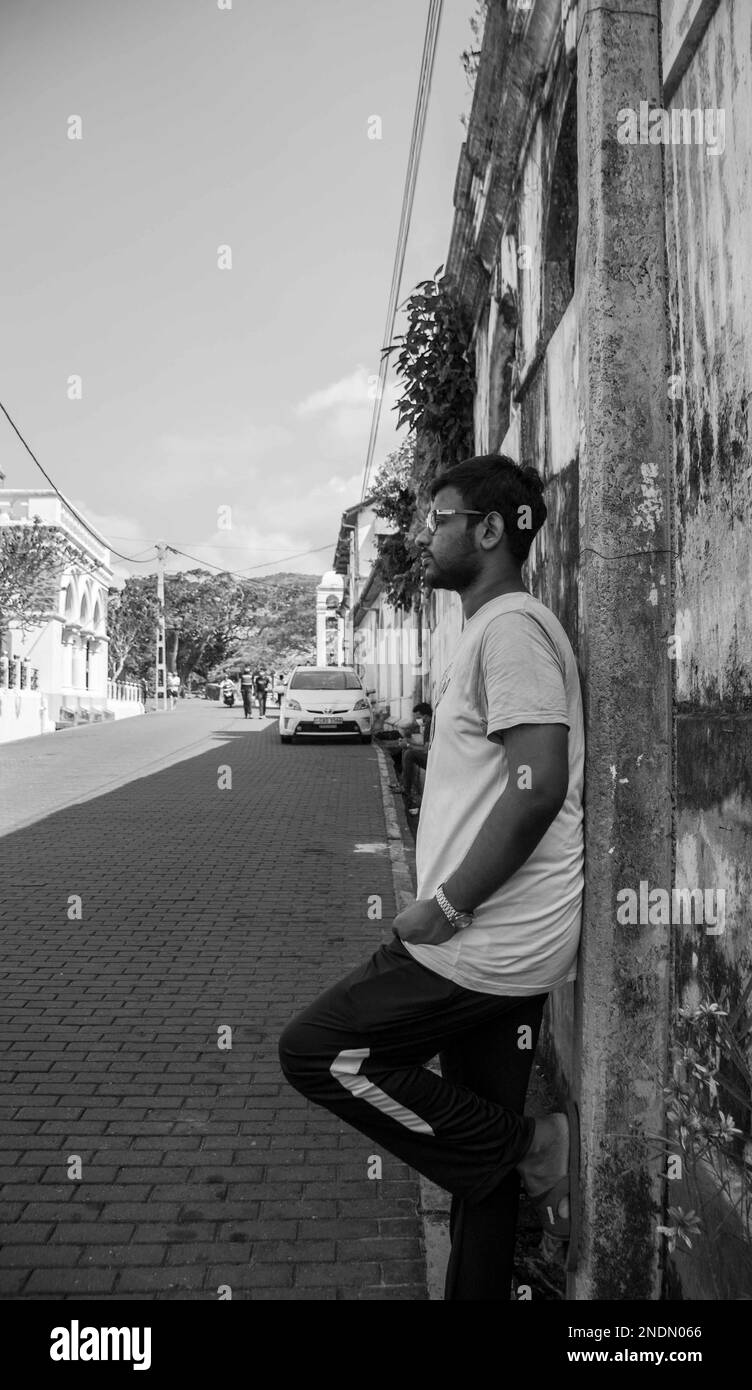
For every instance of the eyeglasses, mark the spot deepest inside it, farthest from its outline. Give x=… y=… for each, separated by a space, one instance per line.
x=430 y=522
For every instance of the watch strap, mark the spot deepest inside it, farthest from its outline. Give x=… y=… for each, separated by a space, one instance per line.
x=452 y=914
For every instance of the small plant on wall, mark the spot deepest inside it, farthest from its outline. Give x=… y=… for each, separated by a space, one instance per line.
x=393 y=495
x=711 y=1073
x=437 y=384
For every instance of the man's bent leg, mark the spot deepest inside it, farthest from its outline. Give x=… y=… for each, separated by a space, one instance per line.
x=360 y=1050
x=494 y=1061
x=413 y=758
x=408 y=769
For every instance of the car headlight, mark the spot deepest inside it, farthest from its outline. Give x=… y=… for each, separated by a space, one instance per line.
x=292 y=704
x=361 y=704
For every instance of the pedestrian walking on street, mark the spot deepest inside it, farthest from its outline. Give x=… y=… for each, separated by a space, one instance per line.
x=261 y=683
x=246 y=691
x=279 y=687
x=227 y=691
x=173 y=689
x=496 y=923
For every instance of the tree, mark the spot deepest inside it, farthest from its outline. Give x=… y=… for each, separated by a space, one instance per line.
x=131 y=625
x=205 y=615
x=212 y=619
x=281 y=632
x=32 y=556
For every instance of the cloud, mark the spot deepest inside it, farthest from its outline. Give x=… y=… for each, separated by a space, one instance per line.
x=348 y=391
x=228 y=456
x=247 y=499
x=344 y=487
x=289 y=517
x=339 y=415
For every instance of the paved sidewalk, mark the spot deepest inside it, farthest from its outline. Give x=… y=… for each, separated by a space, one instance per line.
x=201 y=909
x=42 y=775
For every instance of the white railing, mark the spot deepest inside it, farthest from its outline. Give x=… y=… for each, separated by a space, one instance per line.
x=124 y=690
x=18 y=674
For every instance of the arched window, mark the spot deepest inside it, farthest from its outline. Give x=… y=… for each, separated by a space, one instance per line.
x=70 y=601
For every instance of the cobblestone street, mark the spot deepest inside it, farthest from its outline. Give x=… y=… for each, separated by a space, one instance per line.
x=201 y=909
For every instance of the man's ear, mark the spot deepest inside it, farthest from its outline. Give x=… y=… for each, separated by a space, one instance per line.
x=495 y=530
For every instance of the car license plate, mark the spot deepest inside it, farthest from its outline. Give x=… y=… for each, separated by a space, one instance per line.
x=328 y=722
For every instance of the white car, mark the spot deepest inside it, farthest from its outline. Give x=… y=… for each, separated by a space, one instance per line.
x=325 y=700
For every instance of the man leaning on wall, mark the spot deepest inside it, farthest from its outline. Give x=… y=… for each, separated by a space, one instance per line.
x=496 y=923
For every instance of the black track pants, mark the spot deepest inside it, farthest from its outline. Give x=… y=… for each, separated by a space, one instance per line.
x=361 y=1051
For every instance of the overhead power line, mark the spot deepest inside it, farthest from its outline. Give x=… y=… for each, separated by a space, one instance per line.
x=132 y=559
x=413 y=161
x=246 y=550
x=239 y=574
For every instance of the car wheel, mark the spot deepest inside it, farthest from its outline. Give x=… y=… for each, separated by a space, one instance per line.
x=366 y=738
x=285 y=738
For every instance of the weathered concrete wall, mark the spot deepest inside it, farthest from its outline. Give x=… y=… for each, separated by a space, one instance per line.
x=549 y=430
x=529 y=244
x=709 y=237
x=709 y=232
x=545 y=431
x=550 y=438
x=592 y=416
x=625 y=616
x=640 y=428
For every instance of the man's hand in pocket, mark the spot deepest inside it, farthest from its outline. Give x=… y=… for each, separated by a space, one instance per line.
x=423 y=923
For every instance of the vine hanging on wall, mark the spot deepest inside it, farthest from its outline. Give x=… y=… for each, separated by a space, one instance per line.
x=437 y=379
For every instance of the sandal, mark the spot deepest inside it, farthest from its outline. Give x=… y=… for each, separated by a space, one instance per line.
x=564 y=1228
x=547 y=1207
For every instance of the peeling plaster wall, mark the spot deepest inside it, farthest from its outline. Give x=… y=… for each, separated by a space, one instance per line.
x=545 y=431
x=529 y=244
x=481 y=404
x=707 y=53
x=549 y=423
x=709 y=234
x=709 y=239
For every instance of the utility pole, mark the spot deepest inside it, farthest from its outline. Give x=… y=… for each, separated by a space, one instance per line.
x=160 y=687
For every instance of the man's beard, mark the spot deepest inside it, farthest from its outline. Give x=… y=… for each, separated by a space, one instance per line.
x=457 y=575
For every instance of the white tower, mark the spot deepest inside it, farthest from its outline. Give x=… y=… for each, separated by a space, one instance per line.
x=329 y=595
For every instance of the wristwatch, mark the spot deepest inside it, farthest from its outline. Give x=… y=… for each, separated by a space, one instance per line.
x=457 y=919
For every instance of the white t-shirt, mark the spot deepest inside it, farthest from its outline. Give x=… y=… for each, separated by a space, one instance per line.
x=513 y=665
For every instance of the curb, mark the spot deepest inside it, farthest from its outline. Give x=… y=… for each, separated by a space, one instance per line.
x=434 y=1202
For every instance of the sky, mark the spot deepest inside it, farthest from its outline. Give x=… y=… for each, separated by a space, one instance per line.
x=224 y=410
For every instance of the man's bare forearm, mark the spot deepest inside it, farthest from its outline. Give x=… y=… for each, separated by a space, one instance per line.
x=508 y=836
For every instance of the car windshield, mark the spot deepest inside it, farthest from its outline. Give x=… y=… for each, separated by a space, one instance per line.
x=332 y=679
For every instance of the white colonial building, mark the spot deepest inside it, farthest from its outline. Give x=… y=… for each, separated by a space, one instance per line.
x=55 y=672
